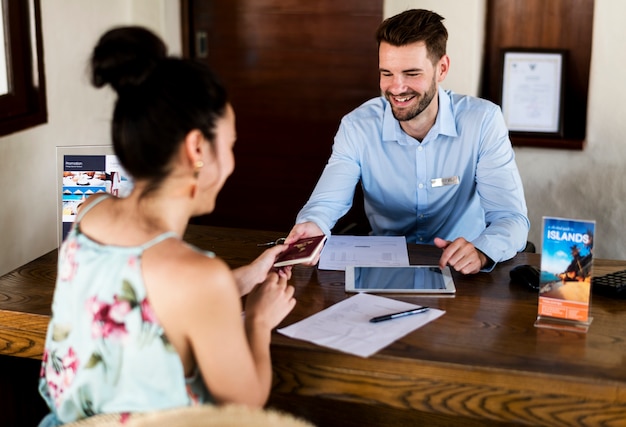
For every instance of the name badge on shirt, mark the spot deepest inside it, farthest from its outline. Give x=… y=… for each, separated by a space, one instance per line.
x=440 y=182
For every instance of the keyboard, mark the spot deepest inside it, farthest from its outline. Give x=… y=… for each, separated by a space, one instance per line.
x=611 y=285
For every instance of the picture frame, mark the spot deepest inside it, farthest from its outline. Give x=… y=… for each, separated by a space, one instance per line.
x=532 y=91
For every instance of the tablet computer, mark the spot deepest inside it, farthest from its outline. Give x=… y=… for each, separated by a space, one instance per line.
x=413 y=279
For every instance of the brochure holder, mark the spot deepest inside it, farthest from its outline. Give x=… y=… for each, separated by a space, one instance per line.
x=83 y=171
x=566 y=270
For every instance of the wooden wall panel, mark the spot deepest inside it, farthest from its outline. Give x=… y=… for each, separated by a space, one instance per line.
x=292 y=69
x=553 y=24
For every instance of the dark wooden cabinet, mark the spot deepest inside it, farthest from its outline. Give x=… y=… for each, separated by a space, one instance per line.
x=20 y=402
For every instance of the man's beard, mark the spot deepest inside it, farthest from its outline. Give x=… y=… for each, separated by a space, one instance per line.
x=407 y=114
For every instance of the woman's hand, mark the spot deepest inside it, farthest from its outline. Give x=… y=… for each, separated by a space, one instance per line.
x=248 y=276
x=268 y=303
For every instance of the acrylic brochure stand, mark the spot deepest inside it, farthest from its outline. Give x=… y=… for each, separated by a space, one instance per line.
x=83 y=171
x=566 y=270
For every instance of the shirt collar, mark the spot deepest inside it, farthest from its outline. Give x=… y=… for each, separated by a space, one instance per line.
x=444 y=124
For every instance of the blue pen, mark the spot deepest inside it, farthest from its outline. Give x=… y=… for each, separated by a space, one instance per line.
x=400 y=314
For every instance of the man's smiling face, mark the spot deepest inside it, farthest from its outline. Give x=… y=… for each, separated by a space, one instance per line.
x=408 y=78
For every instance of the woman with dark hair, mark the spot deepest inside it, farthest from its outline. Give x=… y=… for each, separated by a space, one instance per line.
x=141 y=320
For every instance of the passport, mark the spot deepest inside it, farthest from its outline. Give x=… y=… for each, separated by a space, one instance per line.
x=303 y=251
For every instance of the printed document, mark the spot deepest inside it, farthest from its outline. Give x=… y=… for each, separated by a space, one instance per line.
x=340 y=251
x=346 y=326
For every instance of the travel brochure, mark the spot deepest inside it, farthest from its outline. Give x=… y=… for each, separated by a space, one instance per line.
x=566 y=270
x=84 y=175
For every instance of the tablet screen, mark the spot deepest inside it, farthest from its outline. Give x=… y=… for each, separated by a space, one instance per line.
x=410 y=279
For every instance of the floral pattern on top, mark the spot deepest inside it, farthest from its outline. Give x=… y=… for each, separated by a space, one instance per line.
x=105 y=348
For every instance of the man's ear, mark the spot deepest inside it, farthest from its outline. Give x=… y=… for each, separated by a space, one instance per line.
x=443 y=66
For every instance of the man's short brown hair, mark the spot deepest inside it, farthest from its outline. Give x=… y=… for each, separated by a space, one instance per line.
x=415 y=25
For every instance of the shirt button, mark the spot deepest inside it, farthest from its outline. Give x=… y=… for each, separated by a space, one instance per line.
x=420 y=186
x=421 y=239
x=420 y=148
x=421 y=216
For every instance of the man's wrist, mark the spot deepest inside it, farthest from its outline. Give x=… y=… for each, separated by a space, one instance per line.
x=486 y=262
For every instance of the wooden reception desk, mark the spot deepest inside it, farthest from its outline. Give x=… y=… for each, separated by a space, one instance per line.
x=482 y=363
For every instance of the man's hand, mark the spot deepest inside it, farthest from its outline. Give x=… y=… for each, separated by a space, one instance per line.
x=461 y=255
x=304 y=230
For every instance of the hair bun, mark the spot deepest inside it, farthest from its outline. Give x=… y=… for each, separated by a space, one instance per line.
x=125 y=56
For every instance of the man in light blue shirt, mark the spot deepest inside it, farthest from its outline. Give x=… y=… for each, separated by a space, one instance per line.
x=434 y=166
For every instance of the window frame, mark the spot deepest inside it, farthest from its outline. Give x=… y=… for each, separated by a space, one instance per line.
x=24 y=105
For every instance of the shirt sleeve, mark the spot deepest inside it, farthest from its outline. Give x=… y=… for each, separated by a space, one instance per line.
x=499 y=186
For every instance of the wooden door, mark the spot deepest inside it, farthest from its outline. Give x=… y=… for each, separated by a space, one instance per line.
x=293 y=69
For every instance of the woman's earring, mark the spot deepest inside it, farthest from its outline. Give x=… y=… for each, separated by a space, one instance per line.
x=197 y=165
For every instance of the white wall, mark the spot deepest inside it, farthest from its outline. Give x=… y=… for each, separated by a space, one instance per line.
x=78 y=114
x=465 y=22
x=586 y=184
x=589 y=184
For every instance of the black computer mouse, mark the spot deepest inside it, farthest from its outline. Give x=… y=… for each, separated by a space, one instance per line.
x=525 y=275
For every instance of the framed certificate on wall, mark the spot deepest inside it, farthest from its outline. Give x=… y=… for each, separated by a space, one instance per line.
x=532 y=91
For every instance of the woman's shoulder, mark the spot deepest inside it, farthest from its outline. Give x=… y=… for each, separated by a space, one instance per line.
x=176 y=262
x=90 y=202
x=206 y=268
x=185 y=286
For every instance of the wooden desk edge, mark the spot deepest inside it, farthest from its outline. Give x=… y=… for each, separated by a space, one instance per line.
x=446 y=389
x=22 y=334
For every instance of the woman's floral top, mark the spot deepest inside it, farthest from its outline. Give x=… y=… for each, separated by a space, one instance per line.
x=105 y=349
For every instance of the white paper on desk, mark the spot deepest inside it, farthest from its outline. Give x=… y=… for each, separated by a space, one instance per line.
x=340 y=251
x=345 y=326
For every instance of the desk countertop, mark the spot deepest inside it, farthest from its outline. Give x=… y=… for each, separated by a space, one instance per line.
x=482 y=362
